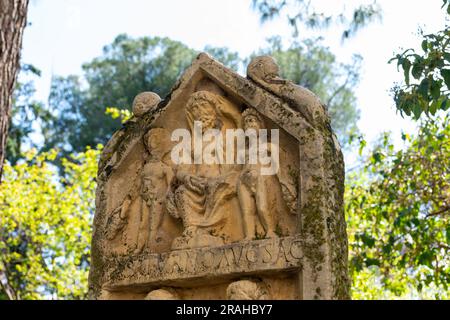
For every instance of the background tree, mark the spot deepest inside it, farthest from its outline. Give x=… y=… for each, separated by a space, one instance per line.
x=130 y=66
x=45 y=229
x=13 y=17
x=303 y=13
x=428 y=90
x=313 y=66
x=398 y=211
x=127 y=67
x=27 y=114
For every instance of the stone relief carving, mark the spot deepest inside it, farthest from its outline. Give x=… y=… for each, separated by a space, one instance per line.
x=248 y=290
x=156 y=177
x=162 y=227
x=289 y=190
x=199 y=191
x=117 y=220
x=144 y=102
x=255 y=191
x=162 y=294
x=148 y=193
x=265 y=71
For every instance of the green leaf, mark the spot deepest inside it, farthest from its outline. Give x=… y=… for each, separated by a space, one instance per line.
x=434 y=106
x=426 y=258
x=372 y=262
x=447 y=56
x=447 y=234
x=362 y=145
x=368 y=240
x=417 y=110
x=423 y=88
x=425 y=45
x=435 y=89
x=445 y=73
x=377 y=156
x=417 y=70
x=406 y=65
x=445 y=104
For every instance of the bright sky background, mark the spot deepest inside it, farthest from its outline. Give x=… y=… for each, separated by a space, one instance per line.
x=65 y=34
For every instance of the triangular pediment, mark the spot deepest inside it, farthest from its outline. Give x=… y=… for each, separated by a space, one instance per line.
x=238 y=88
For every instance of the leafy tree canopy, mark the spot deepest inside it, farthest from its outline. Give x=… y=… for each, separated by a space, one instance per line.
x=398 y=210
x=130 y=66
x=45 y=229
x=127 y=67
x=426 y=73
x=26 y=114
x=303 y=13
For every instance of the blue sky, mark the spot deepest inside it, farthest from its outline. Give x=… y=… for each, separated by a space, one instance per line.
x=65 y=34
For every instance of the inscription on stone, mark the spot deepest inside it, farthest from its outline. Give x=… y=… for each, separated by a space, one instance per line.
x=276 y=254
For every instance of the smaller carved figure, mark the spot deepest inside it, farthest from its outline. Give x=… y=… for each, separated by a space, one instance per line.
x=254 y=190
x=156 y=178
x=117 y=220
x=248 y=290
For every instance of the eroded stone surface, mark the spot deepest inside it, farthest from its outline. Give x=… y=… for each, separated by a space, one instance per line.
x=162 y=294
x=222 y=231
x=205 y=265
x=144 y=102
x=248 y=290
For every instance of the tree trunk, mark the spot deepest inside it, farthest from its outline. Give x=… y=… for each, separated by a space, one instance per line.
x=13 y=17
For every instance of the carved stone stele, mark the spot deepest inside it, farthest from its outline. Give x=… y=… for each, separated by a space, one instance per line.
x=220 y=229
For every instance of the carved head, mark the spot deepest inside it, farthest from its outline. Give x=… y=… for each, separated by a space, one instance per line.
x=157 y=142
x=144 y=102
x=247 y=290
x=252 y=119
x=162 y=294
x=263 y=68
x=201 y=106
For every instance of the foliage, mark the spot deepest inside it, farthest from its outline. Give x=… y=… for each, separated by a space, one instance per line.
x=225 y=56
x=428 y=89
x=130 y=66
x=398 y=209
x=127 y=67
x=123 y=114
x=303 y=13
x=25 y=113
x=313 y=66
x=45 y=226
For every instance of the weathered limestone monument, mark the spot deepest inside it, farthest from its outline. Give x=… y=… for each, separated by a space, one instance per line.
x=167 y=229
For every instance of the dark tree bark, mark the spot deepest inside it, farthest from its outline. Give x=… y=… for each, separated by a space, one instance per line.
x=13 y=17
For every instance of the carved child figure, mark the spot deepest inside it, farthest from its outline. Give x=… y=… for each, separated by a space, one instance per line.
x=156 y=178
x=118 y=219
x=257 y=193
